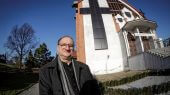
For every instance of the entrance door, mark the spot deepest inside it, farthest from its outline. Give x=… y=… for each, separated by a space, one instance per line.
x=132 y=45
x=146 y=43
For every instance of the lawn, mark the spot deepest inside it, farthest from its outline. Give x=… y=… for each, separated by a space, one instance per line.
x=13 y=81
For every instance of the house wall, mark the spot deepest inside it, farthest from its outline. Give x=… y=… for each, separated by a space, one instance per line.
x=102 y=61
x=80 y=43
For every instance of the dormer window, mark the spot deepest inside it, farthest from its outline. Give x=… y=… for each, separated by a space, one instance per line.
x=120 y=19
x=128 y=14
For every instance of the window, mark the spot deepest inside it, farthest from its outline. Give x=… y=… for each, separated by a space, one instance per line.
x=128 y=14
x=100 y=43
x=76 y=10
x=120 y=19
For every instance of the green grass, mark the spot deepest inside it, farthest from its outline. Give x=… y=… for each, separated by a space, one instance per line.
x=8 y=65
x=8 y=68
x=16 y=82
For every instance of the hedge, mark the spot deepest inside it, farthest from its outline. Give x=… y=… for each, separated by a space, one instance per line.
x=135 y=77
x=155 y=89
x=151 y=90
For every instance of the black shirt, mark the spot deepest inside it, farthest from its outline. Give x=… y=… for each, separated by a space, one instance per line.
x=70 y=73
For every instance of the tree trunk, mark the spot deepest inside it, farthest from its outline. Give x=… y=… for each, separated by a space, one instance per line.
x=20 y=62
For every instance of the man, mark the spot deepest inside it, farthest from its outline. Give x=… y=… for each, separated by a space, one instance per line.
x=66 y=76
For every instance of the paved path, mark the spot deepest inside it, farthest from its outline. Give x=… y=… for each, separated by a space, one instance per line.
x=145 y=82
x=34 y=90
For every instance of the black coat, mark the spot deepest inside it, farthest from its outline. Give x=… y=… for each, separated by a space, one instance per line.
x=50 y=83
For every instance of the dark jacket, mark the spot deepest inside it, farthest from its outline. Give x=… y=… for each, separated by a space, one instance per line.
x=50 y=82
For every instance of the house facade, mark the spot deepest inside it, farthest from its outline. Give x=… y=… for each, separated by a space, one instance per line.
x=110 y=32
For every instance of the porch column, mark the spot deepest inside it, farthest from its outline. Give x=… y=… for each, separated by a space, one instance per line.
x=126 y=42
x=139 y=42
x=155 y=38
x=161 y=43
x=151 y=39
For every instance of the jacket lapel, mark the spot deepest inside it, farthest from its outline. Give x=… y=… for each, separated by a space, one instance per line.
x=78 y=71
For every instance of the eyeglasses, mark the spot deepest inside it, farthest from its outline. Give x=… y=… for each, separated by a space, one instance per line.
x=65 y=45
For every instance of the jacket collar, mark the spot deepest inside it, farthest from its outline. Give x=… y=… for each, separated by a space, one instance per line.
x=54 y=64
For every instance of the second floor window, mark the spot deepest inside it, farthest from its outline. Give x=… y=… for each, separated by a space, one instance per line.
x=128 y=14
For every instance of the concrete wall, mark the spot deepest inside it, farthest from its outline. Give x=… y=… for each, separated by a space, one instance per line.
x=166 y=63
x=146 y=61
x=137 y=62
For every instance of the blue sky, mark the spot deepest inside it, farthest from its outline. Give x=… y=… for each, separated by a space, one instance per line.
x=53 y=18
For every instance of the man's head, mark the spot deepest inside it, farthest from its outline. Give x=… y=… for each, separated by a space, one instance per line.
x=65 y=47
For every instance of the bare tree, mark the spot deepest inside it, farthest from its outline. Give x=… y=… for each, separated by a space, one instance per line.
x=21 y=40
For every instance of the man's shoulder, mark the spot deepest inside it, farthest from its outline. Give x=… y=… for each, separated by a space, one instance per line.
x=49 y=65
x=81 y=64
x=85 y=69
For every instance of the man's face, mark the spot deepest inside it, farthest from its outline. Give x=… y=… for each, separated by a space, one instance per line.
x=65 y=47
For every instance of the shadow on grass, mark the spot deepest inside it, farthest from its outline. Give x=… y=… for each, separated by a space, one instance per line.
x=17 y=80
